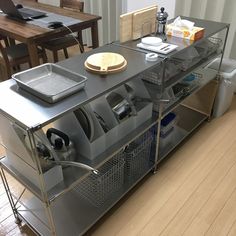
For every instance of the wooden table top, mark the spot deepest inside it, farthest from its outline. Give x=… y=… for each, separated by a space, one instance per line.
x=22 y=31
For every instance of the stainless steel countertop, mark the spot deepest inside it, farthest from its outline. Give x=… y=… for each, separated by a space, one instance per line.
x=30 y=112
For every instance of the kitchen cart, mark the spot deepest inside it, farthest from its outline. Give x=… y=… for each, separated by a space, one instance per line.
x=131 y=121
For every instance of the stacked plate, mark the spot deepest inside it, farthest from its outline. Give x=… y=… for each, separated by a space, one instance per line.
x=86 y=121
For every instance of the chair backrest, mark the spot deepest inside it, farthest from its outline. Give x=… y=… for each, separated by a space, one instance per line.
x=5 y=59
x=72 y=4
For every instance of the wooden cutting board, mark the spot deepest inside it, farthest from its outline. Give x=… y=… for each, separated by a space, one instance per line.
x=144 y=22
x=105 y=63
x=126 y=24
x=126 y=27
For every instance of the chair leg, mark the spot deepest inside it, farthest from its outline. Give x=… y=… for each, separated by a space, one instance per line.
x=66 y=53
x=8 y=73
x=44 y=56
x=16 y=68
x=80 y=39
x=55 y=56
x=6 y=42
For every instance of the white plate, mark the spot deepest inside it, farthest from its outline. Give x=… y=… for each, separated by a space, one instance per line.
x=86 y=122
x=154 y=41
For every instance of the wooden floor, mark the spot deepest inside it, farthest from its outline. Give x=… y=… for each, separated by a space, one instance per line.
x=193 y=192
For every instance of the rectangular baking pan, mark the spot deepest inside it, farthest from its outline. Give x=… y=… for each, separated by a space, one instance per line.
x=50 y=82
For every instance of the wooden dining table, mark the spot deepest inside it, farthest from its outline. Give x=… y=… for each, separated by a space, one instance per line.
x=33 y=35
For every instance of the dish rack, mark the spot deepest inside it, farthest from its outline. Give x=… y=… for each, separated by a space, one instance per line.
x=137 y=156
x=97 y=188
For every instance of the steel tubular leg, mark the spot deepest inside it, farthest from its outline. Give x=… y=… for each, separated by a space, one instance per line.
x=8 y=192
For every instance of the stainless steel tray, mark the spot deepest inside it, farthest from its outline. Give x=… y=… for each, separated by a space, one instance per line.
x=50 y=82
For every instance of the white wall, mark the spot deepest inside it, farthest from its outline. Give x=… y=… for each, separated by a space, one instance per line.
x=169 y=5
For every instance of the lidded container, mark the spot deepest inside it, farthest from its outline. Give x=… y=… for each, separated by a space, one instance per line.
x=162 y=19
x=227 y=85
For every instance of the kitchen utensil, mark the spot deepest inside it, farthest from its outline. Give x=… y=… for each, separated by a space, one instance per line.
x=151 y=56
x=47 y=156
x=126 y=24
x=62 y=145
x=134 y=99
x=126 y=27
x=86 y=122
x=154 y=41
x=163 y=48
x=144 y=22
x=161 y=19
x=102 y=122
x=119 y=105
x=50 y=82
x=47 y=162
x=105 y=63
x=75 y=164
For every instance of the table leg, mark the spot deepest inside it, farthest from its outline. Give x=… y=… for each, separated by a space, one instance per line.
x=94 y=32
x=33 y=53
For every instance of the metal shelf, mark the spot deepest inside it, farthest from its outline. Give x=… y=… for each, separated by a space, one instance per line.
x=189 y=121
x=43 y=113
x=33 y=222
x=71 y=213
x=180 y=76
x=71 y=174
x=74 y=215
x=208 y=76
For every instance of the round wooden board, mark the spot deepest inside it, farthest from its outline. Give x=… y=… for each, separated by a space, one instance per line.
x=105 y=63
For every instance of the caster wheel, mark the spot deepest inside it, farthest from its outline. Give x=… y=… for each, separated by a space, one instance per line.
x=18 y=220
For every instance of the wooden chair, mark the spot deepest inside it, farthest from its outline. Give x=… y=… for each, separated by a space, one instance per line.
x=5 y=39
x=14 y=55
x=69 y=40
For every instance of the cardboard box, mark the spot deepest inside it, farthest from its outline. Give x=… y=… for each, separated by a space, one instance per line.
x=181 y=32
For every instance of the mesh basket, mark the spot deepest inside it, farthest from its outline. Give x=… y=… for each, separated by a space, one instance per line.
x=137 y=156
x=209 y=46
x=155 y=74
x=98 y=188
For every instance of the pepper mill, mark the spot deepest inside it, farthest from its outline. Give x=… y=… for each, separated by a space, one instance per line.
x=162 y=19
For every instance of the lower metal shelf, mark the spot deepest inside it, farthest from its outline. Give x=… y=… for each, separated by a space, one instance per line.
x=189 y=120
x=73 y=214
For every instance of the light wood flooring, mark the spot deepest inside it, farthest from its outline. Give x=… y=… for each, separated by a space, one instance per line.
x=193 y=192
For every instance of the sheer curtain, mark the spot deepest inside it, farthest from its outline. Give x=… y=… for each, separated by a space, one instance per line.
x=217 y=10
x=109 y=10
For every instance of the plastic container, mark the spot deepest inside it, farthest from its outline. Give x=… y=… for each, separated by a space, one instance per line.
x=167 y=124
x=227 y=85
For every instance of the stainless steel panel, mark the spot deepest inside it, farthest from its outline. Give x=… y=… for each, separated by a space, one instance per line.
x=50 y=82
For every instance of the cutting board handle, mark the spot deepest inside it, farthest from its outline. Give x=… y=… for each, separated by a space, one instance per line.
x=104 y=68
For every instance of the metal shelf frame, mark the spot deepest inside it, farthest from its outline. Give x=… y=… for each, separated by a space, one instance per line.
x=65 y=212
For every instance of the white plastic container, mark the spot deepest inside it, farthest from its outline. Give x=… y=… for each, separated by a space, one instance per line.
x=227 y=85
